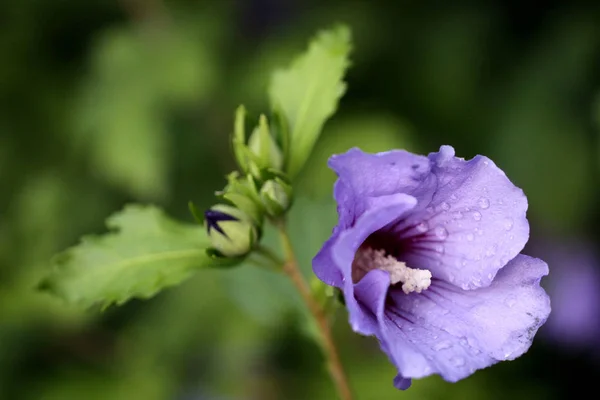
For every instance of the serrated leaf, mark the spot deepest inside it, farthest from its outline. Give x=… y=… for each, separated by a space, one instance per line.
x=144 y=252
x=308 y=92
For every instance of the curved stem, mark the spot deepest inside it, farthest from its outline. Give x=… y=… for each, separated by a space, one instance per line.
x=291 y=269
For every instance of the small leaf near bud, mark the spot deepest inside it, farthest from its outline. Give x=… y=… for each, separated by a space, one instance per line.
x=230 y=230
x=243 y=194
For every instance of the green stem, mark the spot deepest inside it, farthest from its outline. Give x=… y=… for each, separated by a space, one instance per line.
x=291 y=268
x=275 y=262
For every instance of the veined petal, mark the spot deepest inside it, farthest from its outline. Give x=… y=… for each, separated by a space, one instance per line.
x=363 y=176
x=333 y=263
x=453 y=332
x=475 y=223
x=371 y=294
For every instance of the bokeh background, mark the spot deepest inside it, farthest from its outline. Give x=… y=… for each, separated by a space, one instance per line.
x=104 y=103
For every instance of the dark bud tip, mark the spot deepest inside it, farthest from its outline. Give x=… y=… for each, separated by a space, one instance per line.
x=213 y=217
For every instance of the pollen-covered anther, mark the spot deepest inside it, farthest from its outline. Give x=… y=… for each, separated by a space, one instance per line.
x=412 y=279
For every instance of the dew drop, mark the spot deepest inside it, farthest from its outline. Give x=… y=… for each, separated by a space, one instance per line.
x=508 y=224
x=490 y=276
x=441 y=346
x=441 y=232
x=445 y=206
x=489 y=252
x=457 y=215
x=470 y=237
x=439 y=248
x=422 y=227
x=477 y=216
x=486 y=162
x=510 y=301
x=463 y=341
x=483 y=203
x=453 y=197
x=457 y=361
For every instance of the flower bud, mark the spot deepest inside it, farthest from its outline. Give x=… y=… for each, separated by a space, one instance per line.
x=263 y=146
x=230 y=230
x=261 y=152
x=276 y=197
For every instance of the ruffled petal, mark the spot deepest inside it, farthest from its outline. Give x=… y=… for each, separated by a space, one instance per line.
x=452 y=332
x=333 y=263
x=475 y=223
x=363 y=176
x=370 y=294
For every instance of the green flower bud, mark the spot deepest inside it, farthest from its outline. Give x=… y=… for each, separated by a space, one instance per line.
x=263 y=146
x=230 y=230
x=276 y=197
x=261 y=152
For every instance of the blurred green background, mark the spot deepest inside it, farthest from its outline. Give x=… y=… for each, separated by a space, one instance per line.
x=104 y=103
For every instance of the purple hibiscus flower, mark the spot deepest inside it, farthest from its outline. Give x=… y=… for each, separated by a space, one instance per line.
x=426 y=251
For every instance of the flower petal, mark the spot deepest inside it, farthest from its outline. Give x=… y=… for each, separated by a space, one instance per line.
x=370 y=294
x=453 y=332
x=333 y=263
x=475 y=224
x=363 y=176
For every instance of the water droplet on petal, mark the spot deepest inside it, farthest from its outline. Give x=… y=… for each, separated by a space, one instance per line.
x=508 y=224
x=441 y=232
x=457 y=215
x=422 y=227
x=477 y=216
x=441 y=346
x=445 y=206
x=463 y=341
x=489 y=252
x=483 y=203
x=490 y=276
x=470 y=237
x=510 y=301
x=457 y=361
x=439 y=248
x=453 y=197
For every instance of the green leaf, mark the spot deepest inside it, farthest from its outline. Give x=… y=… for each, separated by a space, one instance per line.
x=308 y=92
x=144 y=252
